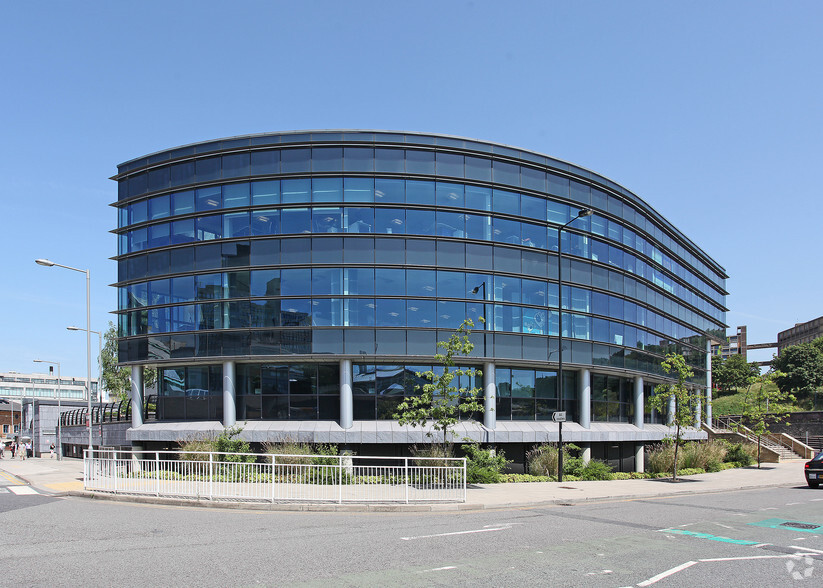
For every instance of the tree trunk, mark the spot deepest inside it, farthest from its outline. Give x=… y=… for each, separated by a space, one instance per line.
x=676 y=447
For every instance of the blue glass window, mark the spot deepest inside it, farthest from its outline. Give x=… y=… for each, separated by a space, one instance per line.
x=182 y=173
x=358 y=159
x=296 y=220
x=359 y=312
x=533 y=292
x=327 y=312
x=534 y=321
x=265 y=283
x=580 y=192
x=390 y=221
x=159 y=291
x=182 y=289
x=559 y=186
x=421 y=282
x=358 y=250
x=507 y=318
x=327 y=190
x=139 y=212
x=295 y=282
x=327 y=281
x=208 y=199
x=506 y=231
x=421 y=313
x=419 y=162
x=359 y=282
x=159 y=207
x=506 y=289
x=390 y=282
x=295 y=251
x=390 y=312
x=207 y=169
x=236 y=224
x=236 y=165
x=420 y=222
x=450 y=224
x=265 y=162
x=265 y=192
x=209 y=227
x=450 y=314
x=295 y=160
x=533 y=179
x=265 y=222
x=359 y=220
x=358 y=190
x=327 y=159
x=295 y=313
x=138 y=239
x=209 y=286
x=533 y=235
x=479 y=198
x=159 y=235
x=389 y=160
x=478 y=169
x=451 y=284
x=418 y=192
x=235 y=195
x=295 y=191
x=449 y=164
x=158 y=179
x=327 y=220
x=478 y=227
x=182 y=202
x=506 y=173
x=533 y=207
x=506 y=202
x=393 y=191
x=449 y=194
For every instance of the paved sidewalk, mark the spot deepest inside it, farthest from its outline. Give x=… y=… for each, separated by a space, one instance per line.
x=50 y=476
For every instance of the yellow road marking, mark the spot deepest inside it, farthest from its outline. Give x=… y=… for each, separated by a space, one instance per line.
x=14 y=479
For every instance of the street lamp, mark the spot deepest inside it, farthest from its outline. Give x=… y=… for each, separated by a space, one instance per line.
x=475 y=290
x=59 y=407
x=583 y=212
x=48 y=263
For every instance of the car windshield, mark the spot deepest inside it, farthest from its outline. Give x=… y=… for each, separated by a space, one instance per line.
x=818 y=457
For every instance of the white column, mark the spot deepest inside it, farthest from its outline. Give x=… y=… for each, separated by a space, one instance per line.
x=672 y=406
x=639 y=458
x=698 y=409
x=586 y=452
x=489 y=396
x=229 y=395
x=136 y=379
x=584 y=400
x=708 y=411
x=346 y=399
x=639 y=404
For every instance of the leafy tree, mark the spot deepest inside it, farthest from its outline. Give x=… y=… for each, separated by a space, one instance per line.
x=116 y=377
x=684 y=399
x=441 y=399
x=756 y=408
x=801 y=368
x=732 y=373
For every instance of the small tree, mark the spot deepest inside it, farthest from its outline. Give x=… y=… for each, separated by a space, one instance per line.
x=801 y=368
x=116 y=377
x=441 y=400
x=756 y=409
x=732 y=373
x=684 y=399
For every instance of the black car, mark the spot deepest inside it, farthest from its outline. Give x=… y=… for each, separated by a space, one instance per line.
x=814 y=470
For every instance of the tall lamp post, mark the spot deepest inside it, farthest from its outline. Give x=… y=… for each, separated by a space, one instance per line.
x=59 y=407
x=583 y=212
x=47 y=263
x=475 y=290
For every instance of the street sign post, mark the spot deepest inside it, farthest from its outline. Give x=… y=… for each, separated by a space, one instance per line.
x=559 y=417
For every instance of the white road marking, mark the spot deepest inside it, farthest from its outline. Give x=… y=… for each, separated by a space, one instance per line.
x=600 y=573
x=749 y=557
x=441 y=569
x=792 y=503
x=769 y=508
x=724 y=526
x=816 y=499
x=759 y=545
x=484 y=530
x=666 y=574
x=23 y=490
x=806 y=548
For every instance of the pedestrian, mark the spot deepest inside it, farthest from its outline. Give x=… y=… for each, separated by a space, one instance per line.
x=51 y=451
x=13 y=450
x=29 y=452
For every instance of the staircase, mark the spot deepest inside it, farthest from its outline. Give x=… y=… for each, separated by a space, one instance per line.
x=781 y=445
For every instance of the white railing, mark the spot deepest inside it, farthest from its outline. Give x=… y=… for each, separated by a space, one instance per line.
x=273 y=478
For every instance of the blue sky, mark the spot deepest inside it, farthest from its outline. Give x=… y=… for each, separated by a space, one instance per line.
x=710 y=111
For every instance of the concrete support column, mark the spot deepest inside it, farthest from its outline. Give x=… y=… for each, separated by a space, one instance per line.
x=640 y=458
x=346 y=398
x=489 y=396
x=708 y=411
x=136 y=380
x=586 y=452
x=698 y=410
x=672 y=406
x=639 y=404
x=229 y=395
x=584 y=399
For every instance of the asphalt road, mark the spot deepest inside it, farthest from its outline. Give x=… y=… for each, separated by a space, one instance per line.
x=744 y=538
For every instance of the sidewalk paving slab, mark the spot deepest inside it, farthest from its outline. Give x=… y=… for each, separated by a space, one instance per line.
x=65 y=477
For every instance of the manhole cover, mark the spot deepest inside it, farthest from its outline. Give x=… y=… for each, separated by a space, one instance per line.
x=794 y=525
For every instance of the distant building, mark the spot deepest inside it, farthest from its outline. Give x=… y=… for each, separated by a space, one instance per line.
x=800 y=333
x=44 y=387
x=735 y=345
x=10 y=414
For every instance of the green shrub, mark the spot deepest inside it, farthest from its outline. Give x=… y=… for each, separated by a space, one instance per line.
x=741 y=453
x=659 y=458
x=523 y=478
x=434 y=450
x=483 y=466
x=596 y=470
x=542 y=460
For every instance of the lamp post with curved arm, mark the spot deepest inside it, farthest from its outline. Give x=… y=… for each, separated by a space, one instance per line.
x=583 y=212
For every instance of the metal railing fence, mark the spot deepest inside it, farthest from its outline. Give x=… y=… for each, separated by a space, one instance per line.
x=272 y=478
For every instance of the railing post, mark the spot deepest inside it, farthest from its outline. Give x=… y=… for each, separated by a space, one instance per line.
x=465 y=480
x=273 y=458
x=340 y=479
x=157 y=472
x=114 y=469
x=406 y=476
x=211 y=476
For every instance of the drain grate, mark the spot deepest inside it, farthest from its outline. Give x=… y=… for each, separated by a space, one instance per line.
x=805 y=526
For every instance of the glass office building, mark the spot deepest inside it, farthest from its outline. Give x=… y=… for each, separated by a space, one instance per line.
x=304 y=278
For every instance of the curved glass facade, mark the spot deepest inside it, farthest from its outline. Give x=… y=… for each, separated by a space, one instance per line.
x=286 y=253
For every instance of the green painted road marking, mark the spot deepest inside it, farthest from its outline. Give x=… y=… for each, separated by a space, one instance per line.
x=709 y=537
x=789 y=525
